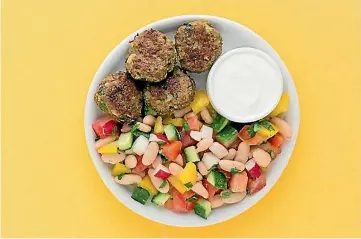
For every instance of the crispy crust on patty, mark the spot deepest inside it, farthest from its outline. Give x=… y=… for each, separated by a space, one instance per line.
x=198 y=45
x=119 y=96
x=176 y=92
x=151 y=56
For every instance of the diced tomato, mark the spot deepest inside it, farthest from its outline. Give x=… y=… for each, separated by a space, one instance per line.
x=245 y=137
x=276 y=140
x=187 y=140
x=179 y=128
x=171 y=151
x=177 y=203
x=162 y=137
x=189 y=205
x=140 y=166
x=212 y=190
x=255 y=185
x=98 y=125
x=193 y=123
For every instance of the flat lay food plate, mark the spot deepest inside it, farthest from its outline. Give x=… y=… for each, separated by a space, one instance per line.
x=234 y=35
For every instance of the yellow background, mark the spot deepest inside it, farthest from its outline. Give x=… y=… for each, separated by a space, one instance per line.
x=51 y=51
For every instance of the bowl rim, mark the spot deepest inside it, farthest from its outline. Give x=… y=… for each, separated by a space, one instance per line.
x=89 y=132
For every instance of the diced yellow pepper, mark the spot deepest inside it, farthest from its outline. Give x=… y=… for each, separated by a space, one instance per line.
x=111 y=148
x=268 y=133
x=282 y=106
x=188 y=174
x=119 y=168
x=178 y=122
x=148 y=185
x=158 y=126
x=200 y=101
x=177 y=184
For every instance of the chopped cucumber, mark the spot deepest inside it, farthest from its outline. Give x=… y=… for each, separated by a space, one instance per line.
x=125 y=141
x=171 y=132
x=191 y=154
x=219 y=123
x=161 y=198
x=203 y=208
x=217 y=179
x=140 y=195
x=227 y=136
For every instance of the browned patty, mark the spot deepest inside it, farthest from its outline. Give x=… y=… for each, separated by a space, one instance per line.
x=198 y=45
x=176 y=92
x=151 y=56
x=118 y=96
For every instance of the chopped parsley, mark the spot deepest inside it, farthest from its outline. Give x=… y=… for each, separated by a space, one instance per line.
x=226 y=194
x=115 y=130
x=164 y=183
x=186 y=126
x=120 y=176
x=272 y=154
x=234 y=171
x=103 y=106
x=164 y=159
x=188 y=185
x=191 y=199
x=137 y=132
x=255 y=127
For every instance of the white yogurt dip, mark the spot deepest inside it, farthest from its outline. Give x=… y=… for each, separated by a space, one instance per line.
x=245 y=85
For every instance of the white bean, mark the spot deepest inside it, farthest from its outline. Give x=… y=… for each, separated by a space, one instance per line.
x=128 y=179
x=202 y=168
x=233 y=197
x=204 y=144
x=206 y=116
x=131 y=161
x=180 y=113
x=216 y=201
x=149 y=120
x=179 y=160
x=284 y=128
x=113 y=158
x=227 y=165
x=261 y=157
x=199 y=189
x=143 y=127
x=242 y=152
x=157 y=161
x=157 y=182
x=150 y=154
x=199 y=177
x=231 y=154
x=101 y=142
x=175 y=169
x=219 y=150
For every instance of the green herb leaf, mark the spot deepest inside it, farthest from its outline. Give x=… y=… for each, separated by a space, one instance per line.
x=191 y=199
x=186 y=126
x=234 y=171
x=256 y=127
x=164 y=183
x=103 y=106
x=115 y=130
x=251 y=132
x=164 y=159
x=188 y=185
x=214 y=167
x=266 y=124
x=120 y=176
x=226 y=194
x=101 y=90
x=272 y=154
x=137 y=132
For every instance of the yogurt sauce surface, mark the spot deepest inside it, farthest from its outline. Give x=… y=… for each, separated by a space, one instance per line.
x=245 y=84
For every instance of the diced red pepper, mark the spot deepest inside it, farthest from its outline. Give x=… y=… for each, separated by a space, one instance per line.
x=187 y=140
x=98 y=126
x=193 y=122
x=171 y=151
x=244 y=135
x=276 y=140
x=140 y=166
x=212 y=190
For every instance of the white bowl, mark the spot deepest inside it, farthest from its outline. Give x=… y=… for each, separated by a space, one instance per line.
x=234 y=35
